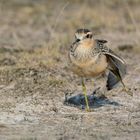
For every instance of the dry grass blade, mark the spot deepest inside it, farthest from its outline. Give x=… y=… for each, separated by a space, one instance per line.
x=60 y=14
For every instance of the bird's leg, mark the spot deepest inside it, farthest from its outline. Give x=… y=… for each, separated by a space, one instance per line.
x=85 y=94
x=92 y=81
x=93 y=86
x=126 y=89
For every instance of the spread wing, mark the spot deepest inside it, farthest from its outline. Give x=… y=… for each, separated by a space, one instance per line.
x=117 y=66
x=116 y=61
x=117 y=69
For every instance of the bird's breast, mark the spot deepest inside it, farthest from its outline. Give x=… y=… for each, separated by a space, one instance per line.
x=93 y=66
x=85 y=62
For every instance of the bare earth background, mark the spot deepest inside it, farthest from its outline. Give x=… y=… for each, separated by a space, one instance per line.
x=35 y=36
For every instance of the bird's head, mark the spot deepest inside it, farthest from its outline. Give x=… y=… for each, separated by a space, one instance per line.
x=82 y=34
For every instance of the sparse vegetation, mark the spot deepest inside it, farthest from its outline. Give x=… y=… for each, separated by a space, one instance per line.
x=35 y=36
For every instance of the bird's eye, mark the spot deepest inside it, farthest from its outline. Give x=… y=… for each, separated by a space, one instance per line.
x=77 y=40
x=89 y=36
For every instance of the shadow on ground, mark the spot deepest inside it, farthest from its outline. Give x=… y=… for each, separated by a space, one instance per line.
x=95 y=100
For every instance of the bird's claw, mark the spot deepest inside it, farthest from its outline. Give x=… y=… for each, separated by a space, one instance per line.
x=127 y=90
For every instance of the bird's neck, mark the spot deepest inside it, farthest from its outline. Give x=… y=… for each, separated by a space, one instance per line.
x=84 y=49
x=87 y=43
x=85 y=46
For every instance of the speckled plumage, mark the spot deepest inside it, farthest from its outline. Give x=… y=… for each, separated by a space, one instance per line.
x=90 y=57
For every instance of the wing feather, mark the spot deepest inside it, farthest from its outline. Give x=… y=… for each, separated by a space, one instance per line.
x=116 y=62
x=117 y=66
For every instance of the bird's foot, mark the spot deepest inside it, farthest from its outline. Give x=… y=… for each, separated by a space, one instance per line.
x=127 y=90
x=89 y=110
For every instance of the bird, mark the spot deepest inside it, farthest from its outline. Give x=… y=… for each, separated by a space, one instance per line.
x=90 y=57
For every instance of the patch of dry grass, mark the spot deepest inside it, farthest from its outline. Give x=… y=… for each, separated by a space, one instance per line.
x=35 y=36
x=39 y=36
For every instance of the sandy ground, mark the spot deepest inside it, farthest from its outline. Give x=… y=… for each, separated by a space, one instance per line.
x=41 y=99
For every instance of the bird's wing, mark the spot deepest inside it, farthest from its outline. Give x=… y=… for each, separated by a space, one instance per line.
x=117 y=66
x=116 y=62
x=113 y=59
